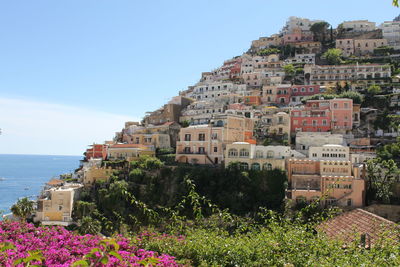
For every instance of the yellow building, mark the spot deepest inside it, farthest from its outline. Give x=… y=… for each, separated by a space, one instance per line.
x=56 y=204
x=95 y=174
x=129 y=152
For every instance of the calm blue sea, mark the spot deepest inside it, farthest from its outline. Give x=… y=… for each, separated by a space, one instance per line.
x=25 y=175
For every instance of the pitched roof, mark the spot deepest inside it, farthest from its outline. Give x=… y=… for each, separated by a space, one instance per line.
x=350 y=225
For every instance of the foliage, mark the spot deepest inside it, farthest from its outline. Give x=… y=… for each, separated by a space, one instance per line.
x=382 y=175
x=333 y=56
x=356 y=96
x=374 y=89
x=27 y=245
x=383 y=51
x=320 y=30
x=289 y=70
x=277 y=241
x=268 y=51
x=23 y=208
x=89 y=225
x=396 y=3
x=390 y=151
x=185 y=124
x=147 y=163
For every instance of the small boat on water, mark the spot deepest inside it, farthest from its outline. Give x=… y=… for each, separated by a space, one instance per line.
x=26 y=188
x=2 y=178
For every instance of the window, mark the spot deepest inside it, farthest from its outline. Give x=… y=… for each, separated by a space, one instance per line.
x=215 y=149
x=303 y=89
x=259 y=154
x=201 y=150
x=244 y=166
x=346 y=105
x=232 y=153
x=311 y=89
x=335 y=105
x=255 y=166
x=186 y=150
x=244 y=152
x=314 y=155
x=270 y=154
x=202 y=137
x=267 y=166
x=187 y=137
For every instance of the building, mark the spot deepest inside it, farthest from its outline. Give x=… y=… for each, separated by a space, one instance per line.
x=93 y=174
x=213 y=91
x=55 y=205
x=391 y=32
x=128 y=152
x=265 y=42
x=359 y=76
x=337 y=181
x=323 y=116
x=309 y=47
x=329 y=152
x=154 y=135
x=367 y=46
x=170 y=112
x=297 y=35
x=295 y=23
x=305 y=140
x=346 y=45
x=255 y=157
x=358 y=26
x=359 y=226
x=299 y=92
x=96 y=151
x=301 y=59
x=156 y=140
x=205 y=144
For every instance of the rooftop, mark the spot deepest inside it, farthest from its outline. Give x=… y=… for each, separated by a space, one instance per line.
x=349 y=226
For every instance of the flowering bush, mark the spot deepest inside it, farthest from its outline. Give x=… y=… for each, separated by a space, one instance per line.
x=55 y=246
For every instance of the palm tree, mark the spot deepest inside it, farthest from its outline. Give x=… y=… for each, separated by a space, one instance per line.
x=23 y=208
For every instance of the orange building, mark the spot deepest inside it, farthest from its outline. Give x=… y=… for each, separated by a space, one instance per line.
x=252 y=100
x=97 y=151
x=338 y=182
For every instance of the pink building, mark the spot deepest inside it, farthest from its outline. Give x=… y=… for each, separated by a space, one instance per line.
x=297 y=36
x=294 y=94
x=323 y=116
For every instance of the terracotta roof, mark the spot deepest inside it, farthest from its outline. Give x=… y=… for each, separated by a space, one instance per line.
x=350 y=225
x=55 y=182
x=169 y=123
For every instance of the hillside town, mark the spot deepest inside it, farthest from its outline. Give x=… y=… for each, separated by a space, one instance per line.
x=314 y=101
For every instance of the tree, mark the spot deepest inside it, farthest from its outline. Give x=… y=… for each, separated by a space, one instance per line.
x=382 y=175
x=89 y=225
x=320 y=30
x=290 y=71
x=268 y=51
x=357 y=97
x=23 y=208
x=333 y=56
x=390 y=151
x=374 y=89
x=396 y=3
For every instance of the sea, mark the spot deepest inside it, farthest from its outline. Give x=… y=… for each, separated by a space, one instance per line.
x=25 y=175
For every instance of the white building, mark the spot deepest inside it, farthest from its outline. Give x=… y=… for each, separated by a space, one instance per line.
x=359 y=26
x=295 y=23
x=305 y=140
x=391 y=32
x=210 y=91
x=329 y=152
x=301 y=58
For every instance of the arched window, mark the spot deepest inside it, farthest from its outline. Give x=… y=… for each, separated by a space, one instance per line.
x=259 y=154
x=244 y=153
x=232 y=153
x=267 y=166
x=270 y=154
x=220 y=123
x=255 y=166
x=244 y=166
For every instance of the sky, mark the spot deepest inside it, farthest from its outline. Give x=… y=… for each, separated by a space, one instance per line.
x=72 y=71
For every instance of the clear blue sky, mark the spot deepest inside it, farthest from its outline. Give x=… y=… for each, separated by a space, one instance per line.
x=129 y=57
